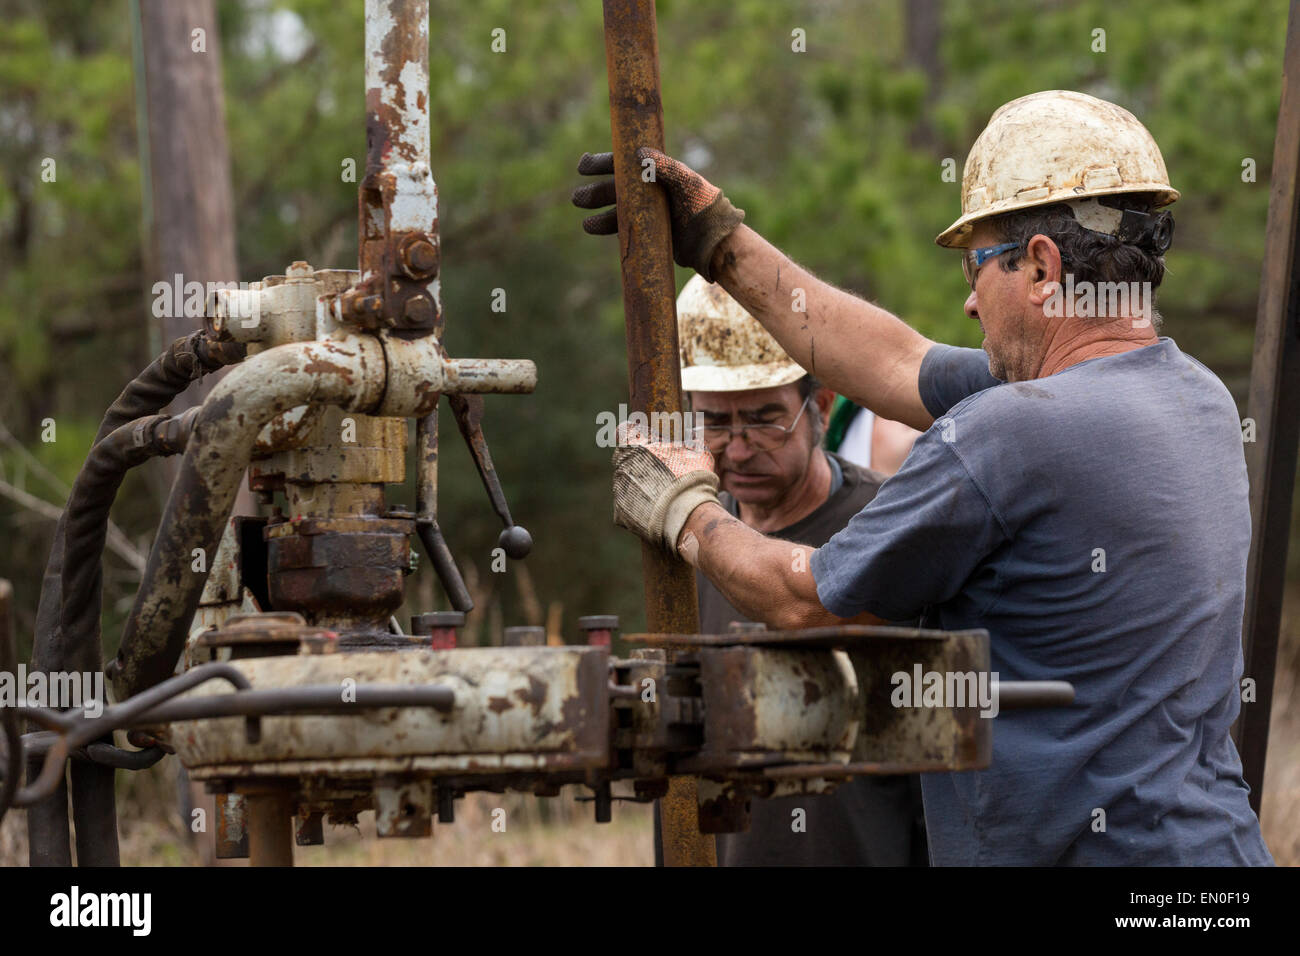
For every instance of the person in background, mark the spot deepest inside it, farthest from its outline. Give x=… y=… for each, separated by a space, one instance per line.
x=864 y=438
x=763 y=418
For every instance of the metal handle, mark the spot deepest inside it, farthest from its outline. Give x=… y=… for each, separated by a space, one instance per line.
x=468 y=409
x=1024 y=694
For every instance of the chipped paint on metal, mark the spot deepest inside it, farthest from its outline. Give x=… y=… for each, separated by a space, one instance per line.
x=522 y=708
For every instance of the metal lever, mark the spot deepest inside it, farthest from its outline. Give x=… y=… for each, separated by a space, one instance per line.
x=444 y=565
x=426 y=523
x=1023 y=694
x=468 y=409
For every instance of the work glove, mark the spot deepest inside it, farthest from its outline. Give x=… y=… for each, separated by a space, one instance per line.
x=701 y=216
x=658 y=484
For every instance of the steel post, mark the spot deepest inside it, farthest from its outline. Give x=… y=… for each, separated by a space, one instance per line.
x=650 y=311
x=270 y=836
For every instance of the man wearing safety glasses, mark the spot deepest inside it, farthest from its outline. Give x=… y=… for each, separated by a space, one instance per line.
x=1080 y=492
x=762 y=418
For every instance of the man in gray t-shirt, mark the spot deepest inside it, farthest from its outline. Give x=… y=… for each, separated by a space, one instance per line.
x=1095 y=523
x=1080 y=492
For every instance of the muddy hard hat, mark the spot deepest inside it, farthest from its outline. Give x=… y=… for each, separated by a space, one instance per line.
x=1056 y=146
x=724 y=348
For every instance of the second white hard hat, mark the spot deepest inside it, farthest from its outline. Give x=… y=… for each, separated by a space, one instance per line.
x=723 y=347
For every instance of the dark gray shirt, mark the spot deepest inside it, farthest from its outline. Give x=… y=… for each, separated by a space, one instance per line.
x=1095 y=522
x=868 y=821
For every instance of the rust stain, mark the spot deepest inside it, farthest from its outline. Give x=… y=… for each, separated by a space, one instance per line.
x=811 y=693
x=534 y=696
x=322 y=367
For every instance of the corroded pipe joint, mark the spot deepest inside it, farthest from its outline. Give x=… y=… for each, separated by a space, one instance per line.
x=345 y=572
x=348 y=371
x=418 y=374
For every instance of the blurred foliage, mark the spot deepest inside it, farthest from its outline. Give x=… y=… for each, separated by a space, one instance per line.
x=836 y=153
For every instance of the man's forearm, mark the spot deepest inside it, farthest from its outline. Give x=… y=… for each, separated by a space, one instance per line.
x=852 y=346
x=766 y=579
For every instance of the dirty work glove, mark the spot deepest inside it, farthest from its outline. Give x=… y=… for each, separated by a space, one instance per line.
x=701 y=215
x=658 y=484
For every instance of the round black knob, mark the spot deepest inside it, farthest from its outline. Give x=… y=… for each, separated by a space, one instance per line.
x=516 y=542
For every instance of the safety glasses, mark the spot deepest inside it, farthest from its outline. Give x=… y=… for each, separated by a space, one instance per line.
x=973 y=259
x=759 y=437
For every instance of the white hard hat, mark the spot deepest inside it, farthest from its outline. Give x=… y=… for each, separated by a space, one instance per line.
x=723 y=347
x=1054 y=147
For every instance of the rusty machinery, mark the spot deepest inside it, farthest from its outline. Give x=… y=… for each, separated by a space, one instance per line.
x=262 y=651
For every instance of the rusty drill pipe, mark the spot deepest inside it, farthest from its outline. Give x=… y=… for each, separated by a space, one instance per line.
x=397 y=197
x=650 y=312
x=270 y=832
x=1273 y=401
x=397 y=82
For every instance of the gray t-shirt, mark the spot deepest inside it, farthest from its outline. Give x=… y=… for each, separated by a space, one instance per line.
x=1095 y=522
x=868 y=821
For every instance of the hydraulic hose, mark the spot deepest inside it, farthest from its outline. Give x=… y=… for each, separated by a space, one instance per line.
x=185 y=361
x=348 y=371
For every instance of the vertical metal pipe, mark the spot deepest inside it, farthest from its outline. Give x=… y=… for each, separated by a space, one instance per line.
x=397 y=194
x=270 y=836
x=49 y=840
x=1274 y=404
x=426 y=507
x=650 y=311
x=397 y=82
x=426 y=466
x=94 y=813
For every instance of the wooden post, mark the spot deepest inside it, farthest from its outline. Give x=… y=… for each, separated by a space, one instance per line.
x=1274 y=405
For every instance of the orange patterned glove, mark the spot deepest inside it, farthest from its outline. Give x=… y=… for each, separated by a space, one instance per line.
x=701 y=215
x=658 y=484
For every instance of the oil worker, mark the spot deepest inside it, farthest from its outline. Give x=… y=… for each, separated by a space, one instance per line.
x=1079 y=491
x=762 y=417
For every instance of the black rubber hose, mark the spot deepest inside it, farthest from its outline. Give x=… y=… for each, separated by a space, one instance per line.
x=9 y=715
x=110 y=756
x=86 y=528
x=185 y=361
x=86 y=517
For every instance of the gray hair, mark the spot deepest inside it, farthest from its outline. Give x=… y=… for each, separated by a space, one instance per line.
x=1091 y=256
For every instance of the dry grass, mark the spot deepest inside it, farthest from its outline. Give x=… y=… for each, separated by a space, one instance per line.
x=553 y=832
x=1280 y=809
